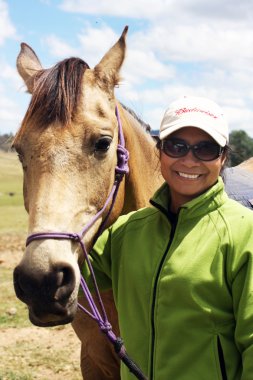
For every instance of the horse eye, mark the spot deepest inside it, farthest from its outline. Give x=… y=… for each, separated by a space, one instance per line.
x=103 y=144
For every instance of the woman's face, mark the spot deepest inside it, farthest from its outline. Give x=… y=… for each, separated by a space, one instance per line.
x=188 y=176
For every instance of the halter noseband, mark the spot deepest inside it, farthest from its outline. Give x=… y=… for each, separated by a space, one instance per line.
x=100 y=317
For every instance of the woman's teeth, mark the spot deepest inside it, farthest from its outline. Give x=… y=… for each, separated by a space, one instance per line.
x=190 y=176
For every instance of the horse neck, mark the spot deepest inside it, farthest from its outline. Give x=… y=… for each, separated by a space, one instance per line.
x=144 y=170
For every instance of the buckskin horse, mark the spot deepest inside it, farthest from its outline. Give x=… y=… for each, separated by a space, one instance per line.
x=68 y=144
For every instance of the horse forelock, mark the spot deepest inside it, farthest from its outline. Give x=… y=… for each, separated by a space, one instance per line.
x=56 y=94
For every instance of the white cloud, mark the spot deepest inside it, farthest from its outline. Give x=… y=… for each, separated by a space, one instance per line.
x=189 y=30
x=135 y=9
x=95 y=42
x=170 y=10
x=229 y=45
x=7 y=29
x=58 y=48
x=9 y=75
x=92 y=44
x=142 y=65
x=11 y=98
x=10 y=113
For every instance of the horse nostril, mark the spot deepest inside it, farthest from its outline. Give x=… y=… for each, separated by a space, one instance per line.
x=17 y=286
x=64 y=278
x=53 y=286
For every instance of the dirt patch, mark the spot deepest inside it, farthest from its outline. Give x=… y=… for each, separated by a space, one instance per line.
x=36 y=353
x=31 y=352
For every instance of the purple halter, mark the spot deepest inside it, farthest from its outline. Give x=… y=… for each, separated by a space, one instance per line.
x=100 y=316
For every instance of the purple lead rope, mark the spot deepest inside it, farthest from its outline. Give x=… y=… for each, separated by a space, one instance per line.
x=100 y=316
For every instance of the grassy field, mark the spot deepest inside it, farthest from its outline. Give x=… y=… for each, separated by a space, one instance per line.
x=27 y=352
x=13 y=217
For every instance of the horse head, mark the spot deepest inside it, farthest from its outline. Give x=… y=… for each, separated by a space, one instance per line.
x=67 y=145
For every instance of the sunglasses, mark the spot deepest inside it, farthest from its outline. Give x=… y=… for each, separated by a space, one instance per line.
x=204 y=150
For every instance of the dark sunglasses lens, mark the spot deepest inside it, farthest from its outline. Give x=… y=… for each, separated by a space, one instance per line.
x=207 y=151
x=174 y=148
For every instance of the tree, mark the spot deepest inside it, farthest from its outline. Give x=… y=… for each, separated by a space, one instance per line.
x=241 y=145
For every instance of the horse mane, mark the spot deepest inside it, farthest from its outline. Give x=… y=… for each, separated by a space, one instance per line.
x=146 y=126
x=56 y=93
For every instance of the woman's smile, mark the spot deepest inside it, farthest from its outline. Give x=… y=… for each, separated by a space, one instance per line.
x=188 y=176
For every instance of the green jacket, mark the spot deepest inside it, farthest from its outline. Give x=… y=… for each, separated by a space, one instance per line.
x=184 y=291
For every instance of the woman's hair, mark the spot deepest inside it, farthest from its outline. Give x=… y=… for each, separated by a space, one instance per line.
x=226 y=151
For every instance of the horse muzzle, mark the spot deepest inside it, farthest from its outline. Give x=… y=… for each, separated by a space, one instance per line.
x=50 y=296
x=54 y=315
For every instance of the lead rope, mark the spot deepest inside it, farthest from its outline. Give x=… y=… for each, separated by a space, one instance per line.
x=100 y=316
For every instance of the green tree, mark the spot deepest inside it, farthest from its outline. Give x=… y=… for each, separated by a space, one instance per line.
x=241 y=145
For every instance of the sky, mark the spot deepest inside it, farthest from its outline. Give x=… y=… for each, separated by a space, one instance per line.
x=174 y=48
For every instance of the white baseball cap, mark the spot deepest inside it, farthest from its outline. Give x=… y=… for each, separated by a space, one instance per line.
x=193 y=111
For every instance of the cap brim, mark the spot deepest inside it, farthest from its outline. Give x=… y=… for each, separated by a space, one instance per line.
x=221 y=140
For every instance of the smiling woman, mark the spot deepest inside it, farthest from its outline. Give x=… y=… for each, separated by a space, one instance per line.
x=187 y=310
x=190 y=172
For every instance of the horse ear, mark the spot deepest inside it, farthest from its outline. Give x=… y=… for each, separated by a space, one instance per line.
x=107 y=70
x=28 y=65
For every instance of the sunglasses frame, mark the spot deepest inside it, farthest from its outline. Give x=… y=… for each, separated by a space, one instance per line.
x=192 y=148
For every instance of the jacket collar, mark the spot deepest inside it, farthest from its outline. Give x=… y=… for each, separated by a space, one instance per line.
x=201 y=205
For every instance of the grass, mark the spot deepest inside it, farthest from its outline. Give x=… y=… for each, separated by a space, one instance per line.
x=53 y=363
x=13 y=220
x=8 y=301
x=13 y=215
x=26 y=352
x=27 y=356
x=10 y=375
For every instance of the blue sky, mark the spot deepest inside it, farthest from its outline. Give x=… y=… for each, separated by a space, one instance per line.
x=175 y=48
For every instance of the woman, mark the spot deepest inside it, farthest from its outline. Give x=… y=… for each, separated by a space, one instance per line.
x=182 y=269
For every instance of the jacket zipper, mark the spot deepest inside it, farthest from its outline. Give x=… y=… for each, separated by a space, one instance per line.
x=173 y=229
x=221 y=359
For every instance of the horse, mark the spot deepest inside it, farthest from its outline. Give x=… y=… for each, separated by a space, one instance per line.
x=67 y=144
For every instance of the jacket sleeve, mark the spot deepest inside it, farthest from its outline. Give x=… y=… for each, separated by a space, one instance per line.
x=242 y=293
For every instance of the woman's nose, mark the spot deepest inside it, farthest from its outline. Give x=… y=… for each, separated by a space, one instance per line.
x=190 y=160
